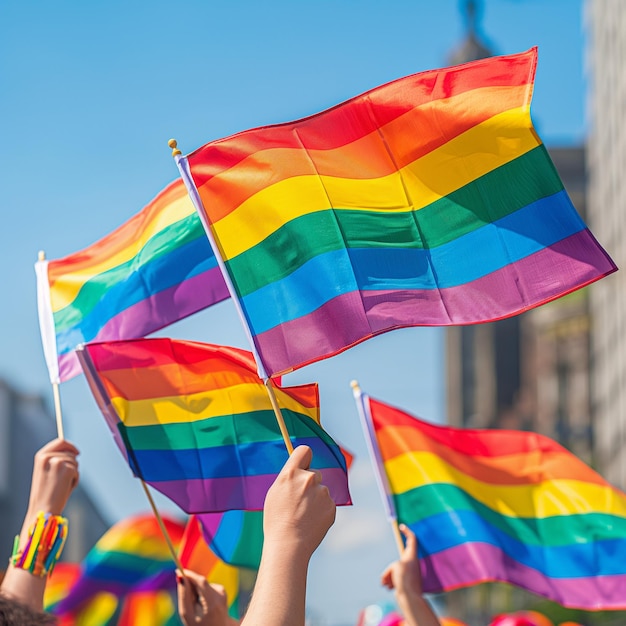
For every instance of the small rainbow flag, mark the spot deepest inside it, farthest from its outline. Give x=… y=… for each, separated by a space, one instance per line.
x=154 y=270
x=196 y=422
x=502 y=505
x=131 y=556
x=195 y=554
x=236 y=537
x=427 y=201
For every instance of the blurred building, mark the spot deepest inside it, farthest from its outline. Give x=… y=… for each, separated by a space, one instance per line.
x=531 y=371
x=527 y=372
x=25 y=425
x=606 y=56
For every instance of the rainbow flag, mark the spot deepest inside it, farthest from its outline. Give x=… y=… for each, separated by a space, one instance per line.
x=195 y=554
x=427 y=201
x=154 y=270
x=131 y=556
x=503 y=505
x=149 y=608
x=63 y=576
x=236 y=537
x=195 y=421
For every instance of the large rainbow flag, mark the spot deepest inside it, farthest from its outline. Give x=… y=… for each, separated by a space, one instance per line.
x=131 y=556
x=154 y=270
x=196 y=422
x=502 y=505
x=427 y=201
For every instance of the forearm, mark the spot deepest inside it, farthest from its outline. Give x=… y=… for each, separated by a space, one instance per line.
x=279 y=595
x=416 y=610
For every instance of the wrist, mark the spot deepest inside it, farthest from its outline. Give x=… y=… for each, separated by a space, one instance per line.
x=38 y=547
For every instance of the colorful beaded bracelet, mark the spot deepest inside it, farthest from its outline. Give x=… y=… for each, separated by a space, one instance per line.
x=46 y=538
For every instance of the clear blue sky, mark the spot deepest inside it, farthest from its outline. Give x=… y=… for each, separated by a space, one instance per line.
x=92 y=91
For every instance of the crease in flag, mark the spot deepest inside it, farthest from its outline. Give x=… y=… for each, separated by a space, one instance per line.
x=427 y=201
x=195 y=421
x=503 y=505
x=152 y=271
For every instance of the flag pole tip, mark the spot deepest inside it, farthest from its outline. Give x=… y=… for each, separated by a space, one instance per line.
x=41 y=255
x=173 y=144
x=354 y=384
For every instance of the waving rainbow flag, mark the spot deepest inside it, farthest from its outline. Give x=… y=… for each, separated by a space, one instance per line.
x=502 y=505
x=426 y=201
x=195 y=421
x=152 y=271
x=131 y=556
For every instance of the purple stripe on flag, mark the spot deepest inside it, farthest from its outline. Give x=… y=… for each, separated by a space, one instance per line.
x=155 y=312
x=573 y=263
x=471 y=563
x=237 y=492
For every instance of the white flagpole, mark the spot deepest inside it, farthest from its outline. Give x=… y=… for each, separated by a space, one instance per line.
x=48 y=336
x=183 y=168
x=362 y=405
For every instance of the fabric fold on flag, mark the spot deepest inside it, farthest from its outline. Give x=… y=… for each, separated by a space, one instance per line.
x=152 y=271
x=427 y=201
x=502 y=505
x=196 y=422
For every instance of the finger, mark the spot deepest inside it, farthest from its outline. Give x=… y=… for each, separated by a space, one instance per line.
x=301 y=457
x=60 y=445
x=410 y=548
x=186 y=597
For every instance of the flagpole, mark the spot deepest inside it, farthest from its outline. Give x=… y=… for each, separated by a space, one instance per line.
x=197 y=202
x=41 y=257
x=57 y=410
x=377 y=463
x=279 y=416
x=166 y=535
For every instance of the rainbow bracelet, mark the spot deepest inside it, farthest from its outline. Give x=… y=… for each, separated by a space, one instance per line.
x=46 y=538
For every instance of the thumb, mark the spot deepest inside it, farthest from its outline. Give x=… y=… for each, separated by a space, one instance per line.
x=300 y=458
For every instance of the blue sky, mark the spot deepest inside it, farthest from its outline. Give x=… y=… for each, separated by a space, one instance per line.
x=92 y=91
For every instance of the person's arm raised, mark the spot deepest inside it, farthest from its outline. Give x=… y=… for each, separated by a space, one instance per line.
x=405 y=577
x=55 y=474
x=298 y=512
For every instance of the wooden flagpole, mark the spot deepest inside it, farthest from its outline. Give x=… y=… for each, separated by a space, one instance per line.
x=166 y=535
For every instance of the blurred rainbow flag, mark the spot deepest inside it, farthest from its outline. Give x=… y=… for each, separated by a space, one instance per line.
x=196 y=422
x=501 y=505
x=427 y=201
x=131 y=556
x=149 y=608
x=153 y=270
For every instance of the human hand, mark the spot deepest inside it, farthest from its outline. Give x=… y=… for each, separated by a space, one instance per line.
x=298 y=509
x=201 y=602
x=55 y=474
x=404 y=575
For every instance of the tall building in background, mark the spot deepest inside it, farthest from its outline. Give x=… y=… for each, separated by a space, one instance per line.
x=528 y=372
x=25 y=426
x=606 y=56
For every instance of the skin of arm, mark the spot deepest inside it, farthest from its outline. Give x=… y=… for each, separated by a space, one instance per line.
x=298 y=512
x=55 y=474
x=200 y=602
x=404 y=576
